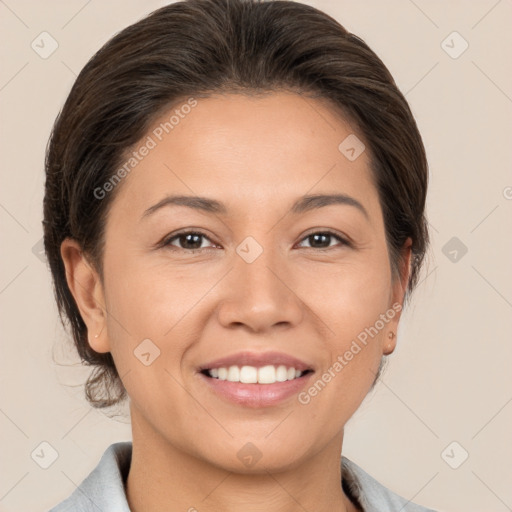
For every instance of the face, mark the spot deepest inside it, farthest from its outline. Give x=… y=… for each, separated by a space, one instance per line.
x=253 y=278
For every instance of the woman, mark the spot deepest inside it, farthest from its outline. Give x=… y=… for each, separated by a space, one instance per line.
x=234 y=219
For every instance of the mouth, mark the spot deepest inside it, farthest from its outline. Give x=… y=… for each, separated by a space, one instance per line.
x=269 y=374
x=256 y=379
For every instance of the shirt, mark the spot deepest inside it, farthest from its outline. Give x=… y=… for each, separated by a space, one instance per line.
x=104 y=489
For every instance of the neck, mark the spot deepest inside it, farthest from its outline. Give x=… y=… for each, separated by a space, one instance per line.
x=164 y=477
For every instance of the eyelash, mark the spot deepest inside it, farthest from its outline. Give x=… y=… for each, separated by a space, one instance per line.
x=167 y=242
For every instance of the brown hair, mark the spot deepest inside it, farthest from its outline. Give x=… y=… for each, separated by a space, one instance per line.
x=196 y=48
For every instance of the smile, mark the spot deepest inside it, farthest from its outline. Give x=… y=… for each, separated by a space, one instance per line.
x=269 y=374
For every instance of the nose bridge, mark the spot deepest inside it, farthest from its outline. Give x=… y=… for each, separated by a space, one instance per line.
x=259 y=295
x=253 y=269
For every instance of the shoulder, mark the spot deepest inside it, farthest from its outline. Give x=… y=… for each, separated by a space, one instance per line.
x=103 y=489
x=371 y=494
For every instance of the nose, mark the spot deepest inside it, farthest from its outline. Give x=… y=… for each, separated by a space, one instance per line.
x=260 y=295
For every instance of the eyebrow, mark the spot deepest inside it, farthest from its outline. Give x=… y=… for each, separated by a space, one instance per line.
x=301 y=205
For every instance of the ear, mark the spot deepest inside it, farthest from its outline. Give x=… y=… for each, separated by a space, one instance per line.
x=397 y=296
x=87 y=290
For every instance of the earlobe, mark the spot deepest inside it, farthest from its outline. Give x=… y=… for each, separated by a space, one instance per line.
x=87 y=290
x=390 y=344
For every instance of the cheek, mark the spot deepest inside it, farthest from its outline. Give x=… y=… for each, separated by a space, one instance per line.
x=147 y=301
x=356 y=310
x=147 y=337
x=154 y=317
x=351 y=298
x=134 y=324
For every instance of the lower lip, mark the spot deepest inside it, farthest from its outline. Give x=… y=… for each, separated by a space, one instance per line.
x=256 y=395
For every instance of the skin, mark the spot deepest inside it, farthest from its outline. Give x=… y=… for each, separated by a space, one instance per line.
x=257 y=155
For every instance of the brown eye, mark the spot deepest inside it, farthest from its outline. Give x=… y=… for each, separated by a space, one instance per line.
x=323 y=239
x=188 y=240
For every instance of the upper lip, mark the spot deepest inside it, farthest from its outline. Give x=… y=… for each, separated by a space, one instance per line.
x=257 y=359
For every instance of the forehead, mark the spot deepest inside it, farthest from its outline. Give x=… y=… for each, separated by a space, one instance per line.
x=246 y=150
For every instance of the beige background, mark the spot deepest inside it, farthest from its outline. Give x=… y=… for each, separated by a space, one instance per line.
x=449 y=379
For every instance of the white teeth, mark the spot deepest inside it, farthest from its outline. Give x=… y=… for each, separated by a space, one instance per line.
x=269 y=374
x=281 y=373
x=248 y=375
x=233 y=374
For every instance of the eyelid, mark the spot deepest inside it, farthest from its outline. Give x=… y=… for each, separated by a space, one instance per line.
x=166 y=241
x=326 y=231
